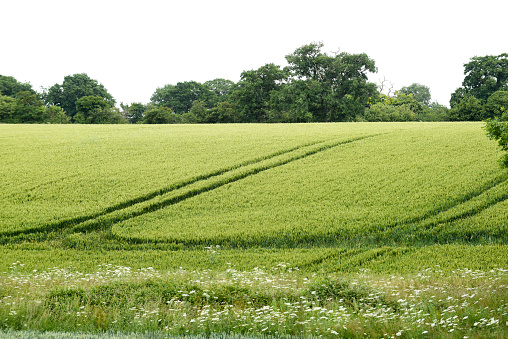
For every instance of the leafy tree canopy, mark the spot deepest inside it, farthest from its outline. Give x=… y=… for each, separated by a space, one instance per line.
x=496 y=104
x=133 y=113
x=95 y=110
x=6 y=108
x=160 y=115
x=255 y=86
x=28 y=108
x=421 y=93
x=483 y=76
x=180 y=97
x=469 y=109
x=9 y=86
x=222 y=88
x=73 y=88
x=334 y=87
x=56 y=115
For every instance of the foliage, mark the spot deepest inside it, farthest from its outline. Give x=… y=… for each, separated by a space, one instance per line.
x=486 y=75
x=253 y=95
x=56 y=115
x=133 y=113
x=199 y=111
x=9 y=86
x=495 y=104
x=399 y=107
x=222 y=88
x=483 y=76
x=382 y=112
x=96 y=110
x=180 y=97
x=401 y=99
x=160 y=115
x=28 y=108
x=74 y=87
x=457 y=96
x=6 y=108
x=420 y=93
x=469 y=109
x=292 y=103
x=334 y=88
x=497 y=129
x=86 y=104
x=224 y=112
x=435 y=112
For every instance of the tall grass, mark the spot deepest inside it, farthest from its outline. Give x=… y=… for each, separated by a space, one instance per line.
x=279 y=301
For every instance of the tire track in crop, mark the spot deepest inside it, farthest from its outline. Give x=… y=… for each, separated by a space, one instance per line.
x=131 y=202
x=93 y=221
x=472 y=212
x=501 y=179
x=418 y=231
x=335 y=253
x=102 y=224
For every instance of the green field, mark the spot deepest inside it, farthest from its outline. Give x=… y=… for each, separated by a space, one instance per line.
x=341 y=216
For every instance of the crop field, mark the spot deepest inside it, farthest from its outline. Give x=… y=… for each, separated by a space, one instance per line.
x=348 y=230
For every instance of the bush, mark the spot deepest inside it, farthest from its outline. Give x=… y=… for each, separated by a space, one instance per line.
x=435 y=112
x=383 y=112
x=469 y=109
x=56 y=115
x=161 y=115
x=497 y=129
x=495 y=104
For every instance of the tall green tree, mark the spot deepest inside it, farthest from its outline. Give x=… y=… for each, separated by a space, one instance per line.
x=222 y=88
x=9 y=86
x=6 y=108
x=56 y=115
x=199 y=111
x=73 y=88
x=224 y=112
x=294 y=102
x=401 y=99
x=420 y=93
x=496 y=104
x=482 y=77
x=95 y=110
x=133 y=113
x=469 y=109
x=161 y=115
x=337 y=85
x=252 y=98
x=28 y=108
x=180 y=97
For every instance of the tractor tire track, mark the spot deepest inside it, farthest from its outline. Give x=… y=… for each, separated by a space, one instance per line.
x=219 y=182
x=116 y=213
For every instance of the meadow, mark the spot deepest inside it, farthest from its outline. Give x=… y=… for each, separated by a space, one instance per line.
x=341 y=230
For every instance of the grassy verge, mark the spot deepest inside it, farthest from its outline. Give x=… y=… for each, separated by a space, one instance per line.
x=279 y=301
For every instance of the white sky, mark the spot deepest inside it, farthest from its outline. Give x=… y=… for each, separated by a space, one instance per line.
x=133 y=47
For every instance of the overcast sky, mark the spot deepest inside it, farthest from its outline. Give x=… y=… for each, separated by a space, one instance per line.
x=133 y=47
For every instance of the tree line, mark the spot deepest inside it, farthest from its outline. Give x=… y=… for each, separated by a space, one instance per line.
x=314 y=87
